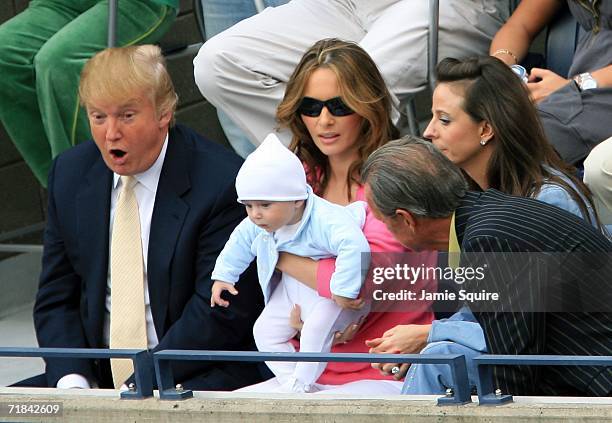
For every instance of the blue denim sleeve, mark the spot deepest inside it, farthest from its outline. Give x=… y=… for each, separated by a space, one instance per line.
x=559 y=197
x=461 y=328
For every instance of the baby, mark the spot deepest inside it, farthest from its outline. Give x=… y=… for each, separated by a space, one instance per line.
x=285 y=215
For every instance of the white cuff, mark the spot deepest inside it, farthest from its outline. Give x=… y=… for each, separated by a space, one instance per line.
x=73 y=380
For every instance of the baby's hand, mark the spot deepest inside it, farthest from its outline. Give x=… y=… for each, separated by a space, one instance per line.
x=217 y=288
x=350 y=303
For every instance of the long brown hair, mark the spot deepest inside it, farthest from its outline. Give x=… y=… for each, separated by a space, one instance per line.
x=362 y=88
x=522 y=159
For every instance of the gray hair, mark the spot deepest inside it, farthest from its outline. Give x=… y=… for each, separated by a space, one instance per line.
x=413 y=175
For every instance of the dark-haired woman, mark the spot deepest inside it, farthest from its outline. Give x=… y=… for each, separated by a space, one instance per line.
x=485 y=123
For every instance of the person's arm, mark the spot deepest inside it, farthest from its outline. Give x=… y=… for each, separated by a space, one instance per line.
x=558 y=196
x=303 y=269
x=603 y=77
x=543 y=82
x=337 y=233
x=344 y=237
x=511 y=43
x=317 y=274
x=236 y=255
x=73 y=381
x=233 y=260
x=312 y=273
x=57 y=316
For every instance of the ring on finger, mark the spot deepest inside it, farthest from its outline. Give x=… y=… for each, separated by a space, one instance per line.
x=395 y=370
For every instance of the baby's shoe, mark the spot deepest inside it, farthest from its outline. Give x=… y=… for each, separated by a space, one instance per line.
x=293 y=386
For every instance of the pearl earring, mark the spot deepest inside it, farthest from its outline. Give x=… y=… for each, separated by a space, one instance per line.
x=483 y=142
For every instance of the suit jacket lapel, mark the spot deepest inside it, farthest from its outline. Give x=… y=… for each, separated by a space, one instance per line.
x=169 y=213
x=93 y=209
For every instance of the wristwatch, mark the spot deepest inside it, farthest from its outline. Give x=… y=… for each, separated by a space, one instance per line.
x=585 y=81
x=521 y=72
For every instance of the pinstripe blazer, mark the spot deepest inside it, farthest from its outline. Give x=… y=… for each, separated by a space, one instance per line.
x=491 y=221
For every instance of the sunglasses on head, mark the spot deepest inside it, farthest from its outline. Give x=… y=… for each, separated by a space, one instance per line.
x=312 y=107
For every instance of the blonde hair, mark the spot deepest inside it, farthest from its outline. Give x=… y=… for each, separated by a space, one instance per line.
x=362 y=88
x=115 y=73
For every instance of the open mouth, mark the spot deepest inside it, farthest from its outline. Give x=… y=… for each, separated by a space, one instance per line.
x=117 y=153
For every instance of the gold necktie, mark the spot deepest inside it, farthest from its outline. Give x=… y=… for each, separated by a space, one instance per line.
x=454 y=250
x=127 y=315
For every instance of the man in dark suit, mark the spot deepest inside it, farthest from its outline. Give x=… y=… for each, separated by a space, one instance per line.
x=184 y=186
x=551 y=303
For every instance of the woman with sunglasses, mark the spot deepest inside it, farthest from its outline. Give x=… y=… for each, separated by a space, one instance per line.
x=338 y=108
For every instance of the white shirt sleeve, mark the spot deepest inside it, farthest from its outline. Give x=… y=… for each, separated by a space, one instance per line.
x=73 y=380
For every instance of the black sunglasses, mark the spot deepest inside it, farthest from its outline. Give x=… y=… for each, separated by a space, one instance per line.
x=312 y=107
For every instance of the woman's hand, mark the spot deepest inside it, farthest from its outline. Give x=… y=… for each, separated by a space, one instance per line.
x=543 y=82
x=404 y=339
x=398 y=371
x=295 y=318
x=348 y=333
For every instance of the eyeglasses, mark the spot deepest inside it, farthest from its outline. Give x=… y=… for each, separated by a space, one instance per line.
x=312 y=107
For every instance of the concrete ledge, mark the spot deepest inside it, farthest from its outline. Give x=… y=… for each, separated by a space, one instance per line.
x=105 y=406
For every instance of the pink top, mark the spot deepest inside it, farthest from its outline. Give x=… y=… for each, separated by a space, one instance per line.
x=380 y=240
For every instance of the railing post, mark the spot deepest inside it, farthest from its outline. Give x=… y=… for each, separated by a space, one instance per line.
x=143 y=377
x=112 y=23
x=165 y=382
x=462 y=391
x=487 y=394
x=432 y=41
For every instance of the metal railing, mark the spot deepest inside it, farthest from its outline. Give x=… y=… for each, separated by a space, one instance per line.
x=167 y=390
x=112 y=23
x=459 y=394
x=17 y=233
x=432 y=61
x=21 y=248
x=488 y=395
x=143 y=387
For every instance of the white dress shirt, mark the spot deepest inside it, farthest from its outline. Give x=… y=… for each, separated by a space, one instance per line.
x=145 y=191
